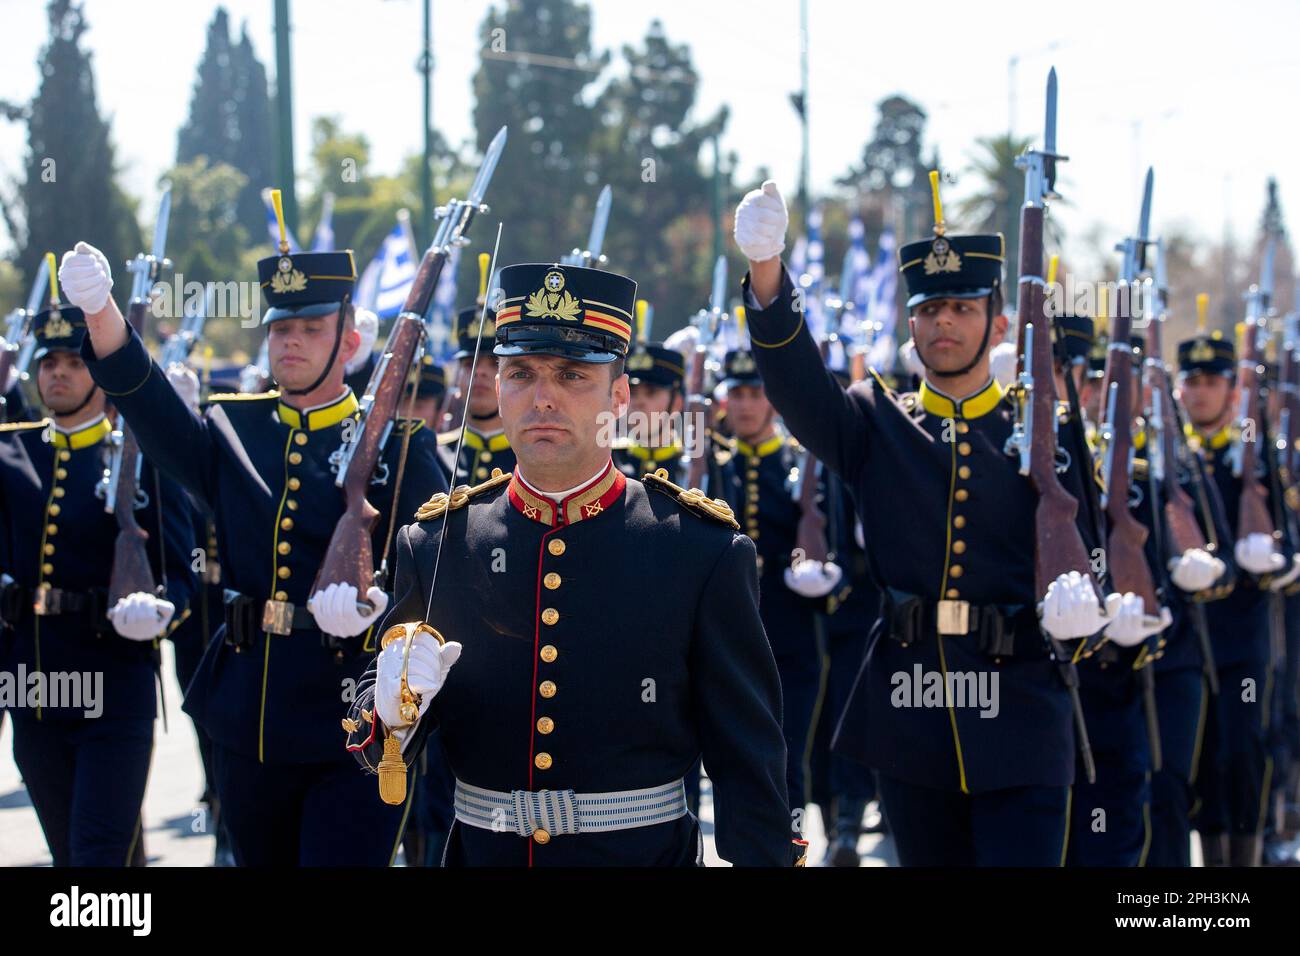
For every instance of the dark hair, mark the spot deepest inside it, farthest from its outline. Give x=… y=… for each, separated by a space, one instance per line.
x=616 y=368
x=995 y=300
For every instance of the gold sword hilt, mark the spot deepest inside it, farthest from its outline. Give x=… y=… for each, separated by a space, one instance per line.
x=392 y=767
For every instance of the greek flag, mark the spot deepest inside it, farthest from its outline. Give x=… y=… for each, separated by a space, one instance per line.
x=273 y=227
x=878 y=302
x=443 y=313
x=814 y=273
x=387 y=280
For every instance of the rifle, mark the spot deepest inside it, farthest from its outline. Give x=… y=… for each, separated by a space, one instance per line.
x=131 y=571
x=456 y=400
x=1059 y=548
x=591 y=257
x=17 y=347
x=1252 y=512
x=1168 y=449
x=178 y=347
x=349 y=558
x=699 y=402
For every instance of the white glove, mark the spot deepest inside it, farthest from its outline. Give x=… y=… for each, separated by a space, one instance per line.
x=1002 y=362
x=1195 y=570
x=684 y=340
x=367 y=325
x=1255 y=554
x=761 y=220
x=1282 y=580
x=813 y=579
x=86 y=278
x=1130 y=625
x=1070 y=608
x=140 y=616
x=425 y=676
x=185 y=382
x=335 y=609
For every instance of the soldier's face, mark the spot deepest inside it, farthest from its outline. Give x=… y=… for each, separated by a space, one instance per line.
x=298 y=349
x=749 y=410
x=948 y=332
x=1206 y=397
x=483 y=390
x=64 y=382
x=650 y=399
x=555 y=410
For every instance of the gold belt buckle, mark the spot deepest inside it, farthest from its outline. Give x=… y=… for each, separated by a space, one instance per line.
x=46 y=600
x=277 y=617
x=954 y=617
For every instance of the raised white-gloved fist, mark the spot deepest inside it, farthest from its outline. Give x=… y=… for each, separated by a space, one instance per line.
x=1255 y=554
x=761 y=221
x=335 y=609
x=185 y=382
x=1130 y=624
x=367 y=325
x=425 y=676
x=140 y=616
x=86 y=278
x=1282 y=580
x=813 y=579
x=1002 y=362
x=1070 y=608
x=684 y=340
x=1195 y=570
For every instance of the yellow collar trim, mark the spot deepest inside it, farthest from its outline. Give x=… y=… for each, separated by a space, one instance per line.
x=654 y=454
x=85 y=436
x=497 y=441
x=1216 y=441
x=981 y=403
x=319 y=416
x=764 y=448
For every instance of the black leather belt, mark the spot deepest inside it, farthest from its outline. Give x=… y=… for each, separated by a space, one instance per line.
x=246 y=616
x=17 y=602
x=999 y=630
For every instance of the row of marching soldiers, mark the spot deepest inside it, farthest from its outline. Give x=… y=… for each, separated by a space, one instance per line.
x=892 y=541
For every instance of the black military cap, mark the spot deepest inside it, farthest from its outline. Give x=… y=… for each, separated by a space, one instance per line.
x=1212 y=354
x=652 y=364
x=571 y=311
x=58 y=329
x=467 y=329
x=739 y=368
x=305 y=284
x=952 y=267
x=431 y=382
x=1075 y=334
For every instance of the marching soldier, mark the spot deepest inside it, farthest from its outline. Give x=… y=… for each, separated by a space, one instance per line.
x=486 y=445
x=264 y=465
x=985 y=783
x=1234 y=764
x=430 y=387
x=85 y=762
x=657 y=383
x=610 y=717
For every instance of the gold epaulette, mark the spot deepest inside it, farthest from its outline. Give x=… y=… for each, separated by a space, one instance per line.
x=459 y=497
x=409 y=425
x=1141 y=470
x=693 y=499
x=242 y=396
x=23 y=426
x=448 y=438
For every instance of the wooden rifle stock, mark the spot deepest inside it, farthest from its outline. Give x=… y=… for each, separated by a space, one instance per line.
x=131 y=570
x=1125 y=556
x=1252 y=511
x=1184 y=531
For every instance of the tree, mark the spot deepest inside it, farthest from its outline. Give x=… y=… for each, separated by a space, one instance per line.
x=70 y=191
x=230 y=116
x=1000 y=192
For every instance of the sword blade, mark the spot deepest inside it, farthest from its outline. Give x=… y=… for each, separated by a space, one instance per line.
x=160 y=227
x=40 y=287
x=718 y=299
x=1049 y=125
x=599 y=221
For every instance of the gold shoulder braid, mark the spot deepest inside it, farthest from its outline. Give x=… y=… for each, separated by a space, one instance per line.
x=23 y=426
x=459 y=496
x=694 y=499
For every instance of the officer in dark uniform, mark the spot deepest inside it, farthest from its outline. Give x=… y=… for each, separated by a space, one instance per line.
x=760 y=481
x=430 y=387
x=84 y=756
x=264 y=465
x=656 y=376
x=610 y=711
x=959 y=706
x=485 y=446
x=1234 y=763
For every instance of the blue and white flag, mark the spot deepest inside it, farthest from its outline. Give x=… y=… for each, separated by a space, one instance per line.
x=387 y=280
x=273 y=226
x=813 y=274
x=443 y=317
x=323 y=241
x=881 y=310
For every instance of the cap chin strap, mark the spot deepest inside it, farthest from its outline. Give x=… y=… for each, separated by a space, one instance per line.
x=344 y=306
x=483 y=418
x=979 y=352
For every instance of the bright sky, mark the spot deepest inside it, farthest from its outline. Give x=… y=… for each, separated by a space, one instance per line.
x=1198 y=89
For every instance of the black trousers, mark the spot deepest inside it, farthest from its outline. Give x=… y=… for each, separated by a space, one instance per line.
x=305 y=814
x=1232 y=782
x=87 y=780
x=1182 y=703
x=1019 y=826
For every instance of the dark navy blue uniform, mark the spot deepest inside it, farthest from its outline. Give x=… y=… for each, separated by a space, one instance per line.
x=966 y=534
x=85 y=763
x=479 y=454
x=271 y=702
x=551 y=692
